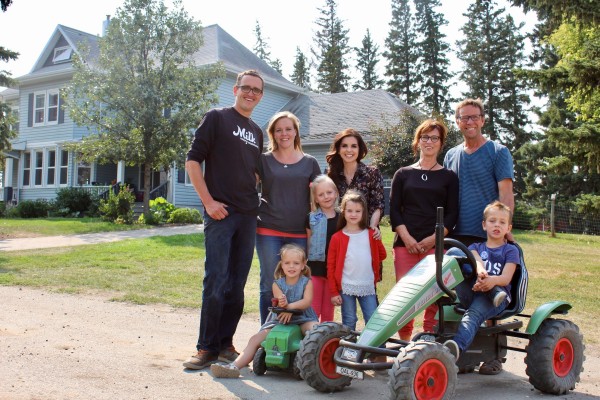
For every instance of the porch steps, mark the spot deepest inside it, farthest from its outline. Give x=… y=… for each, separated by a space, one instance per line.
x=138 y=209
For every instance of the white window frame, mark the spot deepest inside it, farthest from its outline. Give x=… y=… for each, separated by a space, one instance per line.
x=91 y=166
x=35 y=168
x=26 y=168
x=46 y=108
x=62 y=54
x=60 y=166
x=48 y=167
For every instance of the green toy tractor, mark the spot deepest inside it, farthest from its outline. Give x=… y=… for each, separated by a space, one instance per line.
x=278 y=350
x=331 y=356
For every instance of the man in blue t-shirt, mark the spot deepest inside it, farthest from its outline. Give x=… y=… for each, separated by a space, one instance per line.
x=485 y=173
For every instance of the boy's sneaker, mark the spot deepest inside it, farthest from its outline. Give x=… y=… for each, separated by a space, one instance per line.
x=200 y=360
x=228 y=355
x=452 y=347
x=499 y=298
x=225 y=371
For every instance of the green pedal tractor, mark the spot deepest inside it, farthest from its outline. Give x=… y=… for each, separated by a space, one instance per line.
x=331 y=356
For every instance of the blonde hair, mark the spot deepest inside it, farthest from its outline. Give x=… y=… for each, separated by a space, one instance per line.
x=469 y=102
x=271 y=130
x=499 y=206
x=354 y=196
x=313 y=190
x=291 y=248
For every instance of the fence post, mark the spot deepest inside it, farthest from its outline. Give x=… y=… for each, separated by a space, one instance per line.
x=553 y=200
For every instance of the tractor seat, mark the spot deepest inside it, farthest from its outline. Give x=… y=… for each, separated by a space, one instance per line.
x=518 y=291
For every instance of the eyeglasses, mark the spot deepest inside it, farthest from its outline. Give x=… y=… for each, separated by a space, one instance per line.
x=474 y=118
x=433 y=139
x=248 y=89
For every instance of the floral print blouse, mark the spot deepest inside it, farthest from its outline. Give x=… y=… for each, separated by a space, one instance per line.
x=369 y=181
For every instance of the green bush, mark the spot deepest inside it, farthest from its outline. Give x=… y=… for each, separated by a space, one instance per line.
x=33 y=208
x=185 y=216
x=2 y=209
x=118 y=208
x=73 y=202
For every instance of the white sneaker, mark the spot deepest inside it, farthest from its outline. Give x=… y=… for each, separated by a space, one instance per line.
x=452 y=347
x=499 y=298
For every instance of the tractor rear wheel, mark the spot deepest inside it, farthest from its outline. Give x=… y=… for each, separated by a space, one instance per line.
x=423 y=370
x=555 y=356
x=315 y=357
x=259 y=363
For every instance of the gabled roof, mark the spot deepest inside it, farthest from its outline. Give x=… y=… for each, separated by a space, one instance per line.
x=324 y=115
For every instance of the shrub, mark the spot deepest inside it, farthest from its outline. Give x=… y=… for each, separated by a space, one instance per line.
x=73 y=202
x=185 y=216
x=2 y=209
x=118 y=208
x=33 y=208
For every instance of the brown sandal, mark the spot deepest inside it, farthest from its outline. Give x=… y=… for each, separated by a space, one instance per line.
x=493 y=367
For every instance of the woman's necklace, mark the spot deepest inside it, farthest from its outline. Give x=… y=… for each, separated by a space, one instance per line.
x=424 y=175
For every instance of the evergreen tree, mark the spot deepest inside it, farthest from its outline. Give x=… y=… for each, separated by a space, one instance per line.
x=4 y=4
x=301 y=74
x=401 y=54
x=491 y=51
x=434 y=66
x=7 y=119
x=367 y=59
x=261 y=48
x=331 y=50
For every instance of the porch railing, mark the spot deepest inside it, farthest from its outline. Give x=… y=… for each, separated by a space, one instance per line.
x=161 y=190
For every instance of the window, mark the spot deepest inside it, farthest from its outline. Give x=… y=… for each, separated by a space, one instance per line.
x=26 y=168
x=84 y=173
x=62 y=54
x=15 y=114
x=46 y=107
x=52 y=107
x=51 y=173
x=39 y=167
x=64 y=164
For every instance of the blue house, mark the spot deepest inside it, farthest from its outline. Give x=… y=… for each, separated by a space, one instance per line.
x=38 y=165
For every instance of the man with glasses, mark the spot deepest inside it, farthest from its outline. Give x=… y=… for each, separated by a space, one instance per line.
x=485 y=173
x=229 y=144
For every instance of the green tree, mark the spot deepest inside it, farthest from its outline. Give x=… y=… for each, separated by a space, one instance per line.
x=262 y=49
x=367 y=59
x=144 y=92
x=401 y=53
x=301 y=74
x=4 y=4
x=7 y=119
x=331 y=50
x=434 y=66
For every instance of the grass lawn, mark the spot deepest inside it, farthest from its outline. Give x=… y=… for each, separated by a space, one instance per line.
x=33 y=227
x=168 y=270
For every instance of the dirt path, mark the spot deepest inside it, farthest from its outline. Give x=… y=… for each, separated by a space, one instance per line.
x=61 y=346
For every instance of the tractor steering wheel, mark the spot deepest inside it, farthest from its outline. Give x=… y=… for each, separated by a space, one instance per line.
x=468 y=255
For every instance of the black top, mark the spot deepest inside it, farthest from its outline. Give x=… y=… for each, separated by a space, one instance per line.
x=319 y=268
x=230 y=146
x=415 y=196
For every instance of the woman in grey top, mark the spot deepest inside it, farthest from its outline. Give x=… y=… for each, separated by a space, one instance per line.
x=285 y=175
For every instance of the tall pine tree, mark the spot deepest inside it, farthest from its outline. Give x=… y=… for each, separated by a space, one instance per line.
x=366 y=64
x=434 y=66
x=262 y=49
x=331 y=50
x=301 y=74
x=401 y=53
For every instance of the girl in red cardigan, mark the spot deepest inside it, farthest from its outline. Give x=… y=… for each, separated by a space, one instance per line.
x=353 y=261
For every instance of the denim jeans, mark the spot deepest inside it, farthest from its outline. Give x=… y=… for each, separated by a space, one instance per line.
x=267 y=249
x=229 y=249
x=368 y=305
x=479 y=308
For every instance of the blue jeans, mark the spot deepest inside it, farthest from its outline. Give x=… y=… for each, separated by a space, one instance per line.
x=479 y=307
x=229 y=249
x=267 y=248
x=368 y=305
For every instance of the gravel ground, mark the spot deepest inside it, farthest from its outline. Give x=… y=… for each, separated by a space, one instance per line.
x=63 y=346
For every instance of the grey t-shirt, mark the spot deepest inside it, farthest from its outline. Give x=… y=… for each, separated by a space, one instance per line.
x=285 y=196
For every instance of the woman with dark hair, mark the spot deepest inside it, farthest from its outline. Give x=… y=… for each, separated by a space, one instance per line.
x=285 y=173
x=417 y=191
x=348 y=172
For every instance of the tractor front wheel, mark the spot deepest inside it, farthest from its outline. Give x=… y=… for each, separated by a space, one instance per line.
x=315 y=357
x=423 y=370
x=555 y=356
x=259 y=363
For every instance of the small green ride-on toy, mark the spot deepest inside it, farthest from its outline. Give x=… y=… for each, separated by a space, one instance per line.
x=331 y=356
x=278 y=350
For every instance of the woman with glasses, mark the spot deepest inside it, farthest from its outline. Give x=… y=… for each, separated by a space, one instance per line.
x=417 y=191
x=285 y=175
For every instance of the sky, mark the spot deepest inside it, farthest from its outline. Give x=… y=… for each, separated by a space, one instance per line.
x=27 y=25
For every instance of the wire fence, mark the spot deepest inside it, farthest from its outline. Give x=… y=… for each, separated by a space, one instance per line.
x=563 y=217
